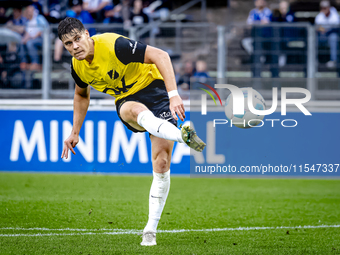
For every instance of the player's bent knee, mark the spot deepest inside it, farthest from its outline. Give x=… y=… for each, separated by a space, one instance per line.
x=129 y=111
x=137 y=109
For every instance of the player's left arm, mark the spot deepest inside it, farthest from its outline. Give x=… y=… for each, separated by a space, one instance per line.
x=162 y=60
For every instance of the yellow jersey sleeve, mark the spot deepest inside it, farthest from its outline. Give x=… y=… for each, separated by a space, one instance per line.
x=76 y=78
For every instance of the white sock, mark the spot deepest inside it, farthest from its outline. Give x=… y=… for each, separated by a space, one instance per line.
x=159 y=127
x=158 y=194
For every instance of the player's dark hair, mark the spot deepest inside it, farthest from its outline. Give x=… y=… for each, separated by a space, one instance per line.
x=69 y=25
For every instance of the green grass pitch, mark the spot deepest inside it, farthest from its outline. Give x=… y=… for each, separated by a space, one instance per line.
x=50 y=214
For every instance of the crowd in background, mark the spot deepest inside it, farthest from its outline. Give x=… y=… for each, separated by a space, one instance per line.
x=189 y=74
x=28 y=23
x=94 y=11
x=25 y=25
x=326 y=21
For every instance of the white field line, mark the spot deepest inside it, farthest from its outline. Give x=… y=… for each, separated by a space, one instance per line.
x=134 y=231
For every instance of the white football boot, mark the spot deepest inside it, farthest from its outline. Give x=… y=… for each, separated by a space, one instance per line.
x=149 y=239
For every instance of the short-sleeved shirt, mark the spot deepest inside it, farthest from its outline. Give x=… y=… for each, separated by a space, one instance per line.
x=332 y=20
x=84 y=16
x=256 y=15
x=95 y=3
x=36 y=25
x=117 y=68
x=21 y=21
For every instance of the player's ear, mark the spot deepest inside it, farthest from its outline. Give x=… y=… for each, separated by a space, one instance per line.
x=87 y=33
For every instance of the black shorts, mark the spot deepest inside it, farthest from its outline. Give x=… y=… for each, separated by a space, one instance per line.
x=155 y=98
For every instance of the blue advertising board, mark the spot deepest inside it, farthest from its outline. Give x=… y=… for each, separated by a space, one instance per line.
x=32 y=140
x=286 y=146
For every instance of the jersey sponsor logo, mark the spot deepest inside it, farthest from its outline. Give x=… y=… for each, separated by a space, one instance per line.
x=121 y=90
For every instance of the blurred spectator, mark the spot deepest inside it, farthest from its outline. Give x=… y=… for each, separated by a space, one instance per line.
x=159 y=9
x=126 y=14
x=283 y=14
x=38 y=6
x=264 y=49
x=327 y=18
x=138 y=17
x=96 y=8
x=57 y=9
x=17 y=22
x=260 y=14
x=286 y=34
x=32 y=39
x=2 y=69
x=201 y=73
x=77 y=12
x=177 y=69
x=112 y=14
x=188 y=73
x=184 y=91
x=3 y=18
x=11 y=75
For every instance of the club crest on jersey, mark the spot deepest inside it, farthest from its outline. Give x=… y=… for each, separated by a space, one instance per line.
x=113 y=76
x=119 y=90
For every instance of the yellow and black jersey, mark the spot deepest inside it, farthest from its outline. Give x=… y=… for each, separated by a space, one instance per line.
x=117 y=68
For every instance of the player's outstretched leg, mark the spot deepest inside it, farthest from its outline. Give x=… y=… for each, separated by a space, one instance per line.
x=161 y=157
x=164 y=129
x=159 y=127
x=141 y=118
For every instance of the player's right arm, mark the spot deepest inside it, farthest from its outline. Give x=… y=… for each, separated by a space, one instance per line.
x=80 y=105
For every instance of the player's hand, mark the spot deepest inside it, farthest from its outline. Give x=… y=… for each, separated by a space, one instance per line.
x=177 y=107
x=69 y=144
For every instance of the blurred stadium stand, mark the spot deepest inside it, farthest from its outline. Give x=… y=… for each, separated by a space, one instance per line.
x=214 y=32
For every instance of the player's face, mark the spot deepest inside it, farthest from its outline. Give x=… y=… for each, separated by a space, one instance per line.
x=78 y=44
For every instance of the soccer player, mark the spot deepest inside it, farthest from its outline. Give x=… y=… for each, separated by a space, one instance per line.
x=142 y=80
